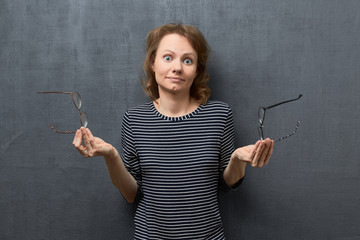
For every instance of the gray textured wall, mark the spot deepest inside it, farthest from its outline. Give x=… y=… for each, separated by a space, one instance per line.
x=263 y=52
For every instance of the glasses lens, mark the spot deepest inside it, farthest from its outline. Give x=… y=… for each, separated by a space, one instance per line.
x=83 y=119
x=77 y=100
x=261 y=115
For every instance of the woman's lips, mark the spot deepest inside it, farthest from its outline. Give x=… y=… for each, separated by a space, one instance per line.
x=175 y=79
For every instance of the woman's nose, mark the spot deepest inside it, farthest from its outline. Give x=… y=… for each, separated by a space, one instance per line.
x=177 y=67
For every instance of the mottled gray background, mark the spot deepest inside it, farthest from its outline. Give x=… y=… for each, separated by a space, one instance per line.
x=264 y=51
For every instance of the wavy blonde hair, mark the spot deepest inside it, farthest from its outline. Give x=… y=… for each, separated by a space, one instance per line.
x=199 y=90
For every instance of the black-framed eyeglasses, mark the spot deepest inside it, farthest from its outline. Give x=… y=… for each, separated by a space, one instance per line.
x=78 y=103
x=261 y=117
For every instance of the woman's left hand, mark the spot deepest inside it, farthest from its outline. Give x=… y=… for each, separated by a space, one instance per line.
x=257 y=155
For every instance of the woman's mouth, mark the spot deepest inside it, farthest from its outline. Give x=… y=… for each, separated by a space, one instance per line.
x=175 y=79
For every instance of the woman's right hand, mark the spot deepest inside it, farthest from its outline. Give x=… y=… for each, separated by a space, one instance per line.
x=93 y=146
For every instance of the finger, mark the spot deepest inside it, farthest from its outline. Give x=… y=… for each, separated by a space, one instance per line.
x=251 y=153
x=267 y=144
x=256 y=145
x=91 y=138
x=258 y=154
x=270 y=152
x=84 y=134
x=77 y=143
x=86 y=139
x=77 y=138
x=92 y=144
x=83 y=151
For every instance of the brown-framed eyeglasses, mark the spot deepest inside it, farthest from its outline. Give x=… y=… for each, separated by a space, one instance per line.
x=78 y=103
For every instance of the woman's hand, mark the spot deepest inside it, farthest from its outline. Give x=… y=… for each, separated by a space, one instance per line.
x=257 y=155
x=93 y=146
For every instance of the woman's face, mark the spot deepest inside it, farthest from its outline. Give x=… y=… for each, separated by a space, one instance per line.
x=175 y=65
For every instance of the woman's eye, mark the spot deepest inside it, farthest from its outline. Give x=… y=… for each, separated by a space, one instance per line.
x=188 y=61
x=167 y=58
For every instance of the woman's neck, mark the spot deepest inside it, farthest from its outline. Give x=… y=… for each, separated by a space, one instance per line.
x=175 y=106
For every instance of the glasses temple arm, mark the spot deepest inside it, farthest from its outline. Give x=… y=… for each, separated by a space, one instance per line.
x=275 y=105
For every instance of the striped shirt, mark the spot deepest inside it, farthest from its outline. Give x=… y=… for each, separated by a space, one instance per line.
x=178 y=163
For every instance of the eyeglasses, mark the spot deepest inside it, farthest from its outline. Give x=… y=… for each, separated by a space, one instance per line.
x=261 y=117
x=77 y=102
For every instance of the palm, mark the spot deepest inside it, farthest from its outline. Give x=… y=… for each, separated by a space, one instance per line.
x=100 y=147
x=245 y=153
x=93 y=146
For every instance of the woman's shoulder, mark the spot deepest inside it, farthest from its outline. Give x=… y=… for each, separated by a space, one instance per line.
x=145 y=111
x=216 y=108
x=216 y=104
x=139 y=109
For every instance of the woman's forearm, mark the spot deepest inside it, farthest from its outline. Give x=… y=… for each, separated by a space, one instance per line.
x=120 y=177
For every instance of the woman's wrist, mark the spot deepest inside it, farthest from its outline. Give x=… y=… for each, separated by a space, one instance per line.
x=234 y=171
x=112 y=154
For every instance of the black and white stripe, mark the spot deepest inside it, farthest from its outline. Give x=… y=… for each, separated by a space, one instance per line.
x=177 y=162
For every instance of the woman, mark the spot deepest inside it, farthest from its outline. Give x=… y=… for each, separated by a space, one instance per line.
x=178 y=149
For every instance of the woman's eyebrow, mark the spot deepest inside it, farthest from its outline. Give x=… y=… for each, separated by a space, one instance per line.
x=168 y=50
x=188 y=53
